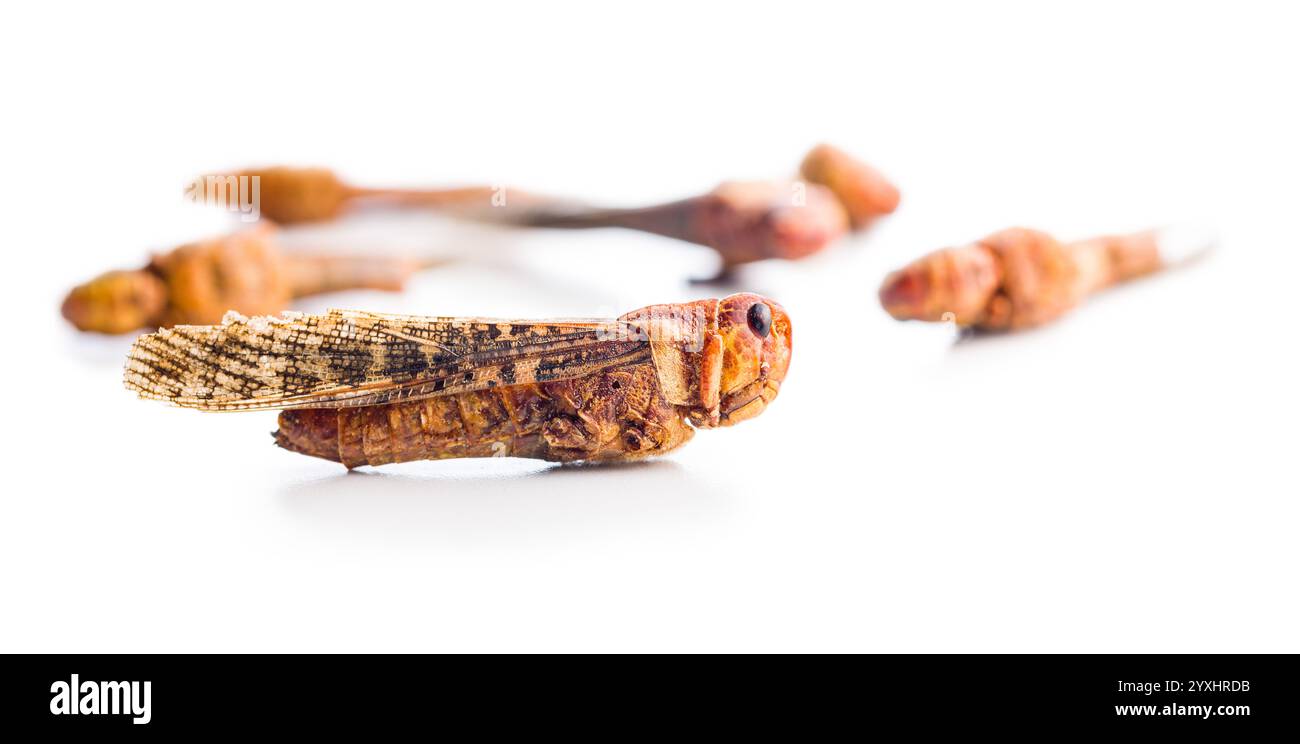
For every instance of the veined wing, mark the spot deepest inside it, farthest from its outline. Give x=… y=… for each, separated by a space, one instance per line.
x=349 y=358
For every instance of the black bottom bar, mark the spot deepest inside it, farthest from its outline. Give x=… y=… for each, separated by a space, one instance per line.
x=213 y=694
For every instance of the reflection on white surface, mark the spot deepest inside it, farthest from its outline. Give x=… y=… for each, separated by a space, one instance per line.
x=503 y=501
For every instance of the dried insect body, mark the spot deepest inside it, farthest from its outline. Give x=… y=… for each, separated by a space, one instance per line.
x=1019 y=278
x=742 y=221
x=199 y=282
x=369 y=389
x=863 y=191
x=292 y=195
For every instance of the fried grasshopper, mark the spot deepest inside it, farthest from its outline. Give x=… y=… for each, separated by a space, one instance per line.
x=1020 y=278
x=743 y=221
x=198 y=282
x=370 y=389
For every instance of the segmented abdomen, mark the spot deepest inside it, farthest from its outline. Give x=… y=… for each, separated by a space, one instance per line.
x=616 y=414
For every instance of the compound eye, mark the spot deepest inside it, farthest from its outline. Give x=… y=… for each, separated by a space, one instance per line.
x=760 y=319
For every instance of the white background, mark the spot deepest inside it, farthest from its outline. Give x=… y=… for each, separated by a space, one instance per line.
x=1124 y=480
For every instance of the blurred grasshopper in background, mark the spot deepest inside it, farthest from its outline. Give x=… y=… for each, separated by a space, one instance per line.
x=742 y=221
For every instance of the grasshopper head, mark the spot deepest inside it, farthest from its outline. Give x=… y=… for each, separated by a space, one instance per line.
x=755 y=343
x=723 y=360
x=116 y=302
x=755 y=220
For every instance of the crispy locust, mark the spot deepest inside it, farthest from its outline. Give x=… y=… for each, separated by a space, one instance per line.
x=369 y=389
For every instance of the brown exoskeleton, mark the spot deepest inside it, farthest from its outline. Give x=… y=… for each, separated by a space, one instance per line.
x=743 y=221
x=1020 y=278
x=198 y=282
x=369 y=389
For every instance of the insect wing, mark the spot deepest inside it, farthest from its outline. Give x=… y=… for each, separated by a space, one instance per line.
x=347 y=358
